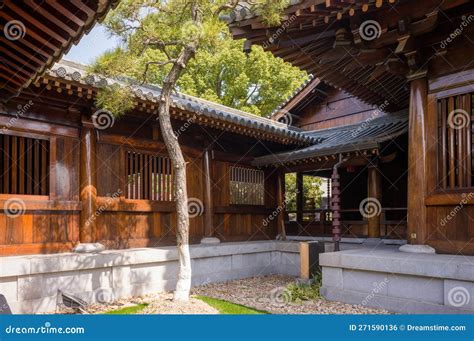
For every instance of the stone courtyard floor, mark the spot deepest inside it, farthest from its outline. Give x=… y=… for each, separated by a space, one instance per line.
x=269 y=293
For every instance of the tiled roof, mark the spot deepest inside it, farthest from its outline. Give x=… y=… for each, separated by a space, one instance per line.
x=77 y=72
x=357 y=137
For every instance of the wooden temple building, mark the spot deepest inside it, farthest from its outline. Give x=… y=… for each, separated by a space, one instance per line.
x=408 y=59
x=386 y=120
x=374 y=118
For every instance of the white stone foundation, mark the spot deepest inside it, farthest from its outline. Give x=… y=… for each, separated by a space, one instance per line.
x=398 y=281
x=31 y=283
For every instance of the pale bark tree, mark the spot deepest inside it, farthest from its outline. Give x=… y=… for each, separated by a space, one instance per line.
x=197 y=19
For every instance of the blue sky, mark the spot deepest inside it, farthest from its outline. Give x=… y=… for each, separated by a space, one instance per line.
x=91 y=46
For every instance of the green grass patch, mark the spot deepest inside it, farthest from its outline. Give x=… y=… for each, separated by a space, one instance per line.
x=134 y=309
x=226 y=307
x=299 y=292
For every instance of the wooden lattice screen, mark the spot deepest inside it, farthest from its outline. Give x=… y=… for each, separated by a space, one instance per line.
x=246 y=186
x=455 y=129
x=24 y=165
x=149 y=177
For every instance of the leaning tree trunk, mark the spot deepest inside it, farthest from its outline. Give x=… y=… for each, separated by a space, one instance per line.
x=183 y=285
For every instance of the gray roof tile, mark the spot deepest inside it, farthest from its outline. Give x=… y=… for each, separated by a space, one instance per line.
x=77 y=72
x=356 y=137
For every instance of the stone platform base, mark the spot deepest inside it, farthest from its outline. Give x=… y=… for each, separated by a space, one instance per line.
x=31 y=283
x=398 y=281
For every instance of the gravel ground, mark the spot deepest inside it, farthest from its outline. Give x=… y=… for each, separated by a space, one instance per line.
x=160 y=303
x=263 y=293
x=269 y=294
x=165 y=305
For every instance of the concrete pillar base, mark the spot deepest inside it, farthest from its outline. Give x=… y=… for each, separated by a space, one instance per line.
x=417 y=248
x=210 y=240
x=88 y=248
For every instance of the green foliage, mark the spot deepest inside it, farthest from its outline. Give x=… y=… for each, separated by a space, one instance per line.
x=271 y=10
x=256 y=83
x=304 y=292
x=115 y=99
x=312 y=190
x=155 y=31
x=135 y=309
x=225 y=307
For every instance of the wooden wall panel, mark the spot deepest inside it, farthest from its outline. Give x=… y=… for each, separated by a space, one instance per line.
x=65 y=153
x=453 y=234
x=340 y=108
x=52 y=222
x=38 y=232
x=449 y=201
x=220 y=181
x=108 y=169
x=195 y=177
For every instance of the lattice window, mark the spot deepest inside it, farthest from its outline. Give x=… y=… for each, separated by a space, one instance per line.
x=455 y=141
x=149 y=177
x=247 y=186
x=24 y=164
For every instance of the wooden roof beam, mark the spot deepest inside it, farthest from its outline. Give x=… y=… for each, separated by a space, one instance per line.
x=66 y=12
x=21 y=62
x=83 y=7
x=16 y=67
x=49 y=16
x=31 y=33
x=30 y=55
x=36 y=23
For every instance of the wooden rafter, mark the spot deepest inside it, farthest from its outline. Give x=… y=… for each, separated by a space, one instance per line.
x=40 y=31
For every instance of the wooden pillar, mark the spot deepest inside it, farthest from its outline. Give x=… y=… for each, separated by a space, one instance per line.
x=281 y=204
x=299 y=199
x=374 y=190
x=309 y=259
x=88 y=184
x=208 y=204
x=417 y=151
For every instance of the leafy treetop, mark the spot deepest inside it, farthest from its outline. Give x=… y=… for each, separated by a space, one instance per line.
x=153 y=34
